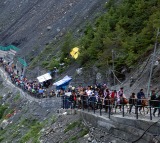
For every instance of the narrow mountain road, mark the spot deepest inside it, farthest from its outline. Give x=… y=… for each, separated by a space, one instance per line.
x=52 y=102
x=44 y=102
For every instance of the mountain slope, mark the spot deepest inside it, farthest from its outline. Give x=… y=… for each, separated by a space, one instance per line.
x=29 y=24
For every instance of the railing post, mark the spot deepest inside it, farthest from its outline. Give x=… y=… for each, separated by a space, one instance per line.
x=137 y=109
x=123 y=106
x=94 y=107
x=71 y=104
x=150 y=109
x=63 y=101
x=88 y=104
x=135 y=103
x=100 y=109
x=159 y=109
x=109 y=108
x=83 y=102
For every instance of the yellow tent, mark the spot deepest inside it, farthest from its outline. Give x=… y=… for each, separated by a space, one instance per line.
x=75 y=52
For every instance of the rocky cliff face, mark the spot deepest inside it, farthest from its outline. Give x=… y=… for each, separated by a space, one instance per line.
x=28 y=24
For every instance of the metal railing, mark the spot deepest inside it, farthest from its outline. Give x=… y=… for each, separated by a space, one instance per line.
x=85 y=103
x=142 y=107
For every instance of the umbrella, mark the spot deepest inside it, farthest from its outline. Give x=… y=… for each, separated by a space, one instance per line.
x=75 y=52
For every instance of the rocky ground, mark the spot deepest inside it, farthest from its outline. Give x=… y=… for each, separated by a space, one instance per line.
x=22 y=115
x=26 y=119
x=31 y=25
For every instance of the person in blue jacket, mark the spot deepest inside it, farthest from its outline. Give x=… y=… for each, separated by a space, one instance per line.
x=140 y=96
x=93 y=101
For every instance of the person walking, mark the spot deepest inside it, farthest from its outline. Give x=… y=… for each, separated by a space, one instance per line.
x=132 y=101
x=155 y=102
x=73 y=99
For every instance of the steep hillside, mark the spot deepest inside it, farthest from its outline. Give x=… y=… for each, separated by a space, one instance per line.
x=119 y=40
x=27 y=119
x=120 y=37
x=31 y=25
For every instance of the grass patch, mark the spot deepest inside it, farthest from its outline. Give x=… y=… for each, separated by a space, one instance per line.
x=28 y=122
x=16 y=97
x=2 y=132
x=72 y=126
x=53 y=119
x=74 y=138
x=80 y=134
x=9 y=112
x=32 y=134
x=15 y=134
x=84 y=132
x=2 y=110
x=1 y=138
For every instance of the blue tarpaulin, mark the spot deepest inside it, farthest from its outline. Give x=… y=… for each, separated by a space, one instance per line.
x=63 y=83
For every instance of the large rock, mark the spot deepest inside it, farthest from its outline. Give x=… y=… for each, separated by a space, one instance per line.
x=4 y=124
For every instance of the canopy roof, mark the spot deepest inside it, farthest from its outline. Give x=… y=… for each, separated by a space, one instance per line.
x=8 y=48
x=44 y=77
x=22 y=61
x=3 y=53
x=63 y=81
x=11 y=47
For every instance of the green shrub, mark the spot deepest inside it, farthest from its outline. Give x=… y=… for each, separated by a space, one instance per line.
x=84 y=132
x=32 y=134
x=28 y=122
x=2 y=110
x=53 y=119
x=17 y=97
x=72 y=126
x=1 y=138
x=129 y=27
x=74 y=138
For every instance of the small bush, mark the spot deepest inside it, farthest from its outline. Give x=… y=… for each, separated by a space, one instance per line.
x=32 y=134
x=84 y=132
x=1 y=138
x=74 y=138
x=53 y=120
x=72 y=126
x=2 y=110
x=16 y=97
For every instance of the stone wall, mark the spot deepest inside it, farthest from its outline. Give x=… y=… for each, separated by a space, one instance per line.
x=124 y=129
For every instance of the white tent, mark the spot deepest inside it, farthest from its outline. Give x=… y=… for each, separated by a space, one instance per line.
x=44 y=77
x=12 y=52
x=63 y=81
x=3 y=53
